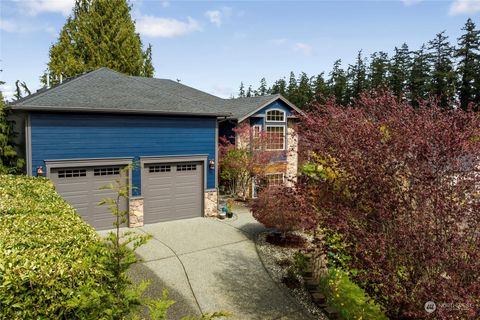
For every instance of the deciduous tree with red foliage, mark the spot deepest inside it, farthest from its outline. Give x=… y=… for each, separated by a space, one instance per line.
x=402 y=185
x=247 y=159
x=283 y=208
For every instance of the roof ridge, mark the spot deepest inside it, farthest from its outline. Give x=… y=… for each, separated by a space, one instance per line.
x=67 y=81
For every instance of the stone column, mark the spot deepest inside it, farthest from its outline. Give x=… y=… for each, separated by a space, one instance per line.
x=135 y=212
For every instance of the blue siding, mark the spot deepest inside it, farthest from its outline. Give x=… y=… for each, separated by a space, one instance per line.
x=73 y=136
x=275 y=105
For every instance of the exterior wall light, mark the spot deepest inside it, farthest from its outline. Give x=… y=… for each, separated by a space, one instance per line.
x=211 y=164
x=39 y=172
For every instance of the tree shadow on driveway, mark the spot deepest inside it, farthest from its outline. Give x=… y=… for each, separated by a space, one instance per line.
x=182 y=306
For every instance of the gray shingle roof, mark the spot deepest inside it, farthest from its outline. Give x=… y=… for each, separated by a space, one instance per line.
x=104 y=90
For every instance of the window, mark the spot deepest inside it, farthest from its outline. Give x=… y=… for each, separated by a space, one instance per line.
x=159 y=168
x=106 y=171
x=275 y=179
x=186 y=167
x=72 y=173
x=257 y=129
x=276 y=116
x=275 y=137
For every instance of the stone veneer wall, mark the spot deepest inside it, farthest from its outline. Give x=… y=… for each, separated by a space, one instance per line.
x=211 y=203
x=136 y=212
x=292 y=151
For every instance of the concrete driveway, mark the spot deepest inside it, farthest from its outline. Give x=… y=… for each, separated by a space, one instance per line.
x=211 y=265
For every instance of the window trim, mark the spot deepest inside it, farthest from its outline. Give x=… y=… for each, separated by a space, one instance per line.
x=274 y=174
x=284 y=136
x=260 y=128
x=276 y=109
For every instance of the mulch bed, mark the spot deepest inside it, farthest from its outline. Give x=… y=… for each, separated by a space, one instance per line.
x=287 y=241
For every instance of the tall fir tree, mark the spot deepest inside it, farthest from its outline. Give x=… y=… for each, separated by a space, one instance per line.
x=99 y=33
x=249 y=92
x=304 y=91
x=357 y=77
x=399 y=71
x=468 y=55
x=378 y=70
x=419 y=78
x=241 y=90
x=338 y=83
x=262 y=89
x=443 y=76
x=10 y=162
x=292 y=88
x=320 y=88
x=279 y=87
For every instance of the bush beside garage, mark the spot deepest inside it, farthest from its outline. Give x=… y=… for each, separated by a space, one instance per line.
x=52 y=263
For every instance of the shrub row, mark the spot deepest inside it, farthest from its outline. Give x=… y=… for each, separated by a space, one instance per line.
x=52 y=264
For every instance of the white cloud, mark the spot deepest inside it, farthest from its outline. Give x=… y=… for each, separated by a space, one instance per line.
x=303 y=48
x=409 y=3
x=8 y=25
x=166 y=27
x=217 y=17
x=34 y=7
x=464 y=7
x=279 y=41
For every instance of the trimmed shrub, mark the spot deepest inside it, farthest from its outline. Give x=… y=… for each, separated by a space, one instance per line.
x=349 y=299
x=51 y=261
x=281 y=208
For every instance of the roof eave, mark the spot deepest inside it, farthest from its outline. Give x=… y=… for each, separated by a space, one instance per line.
x=122 y=111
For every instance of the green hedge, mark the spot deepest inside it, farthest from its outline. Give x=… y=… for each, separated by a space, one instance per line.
x=52 y=264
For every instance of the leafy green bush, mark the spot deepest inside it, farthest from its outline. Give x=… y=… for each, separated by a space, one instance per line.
x=51 y=262
x=350 y=300
x=336 y=249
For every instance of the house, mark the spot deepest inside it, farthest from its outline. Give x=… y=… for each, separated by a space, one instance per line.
x=82 y=132
x=273 y=115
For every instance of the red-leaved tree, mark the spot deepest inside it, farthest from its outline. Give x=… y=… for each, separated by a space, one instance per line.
x=402 y=185
x=283 y=208
x=246 y=160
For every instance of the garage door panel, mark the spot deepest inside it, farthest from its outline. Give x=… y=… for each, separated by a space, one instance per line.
x=172 y=195
x=82 y=189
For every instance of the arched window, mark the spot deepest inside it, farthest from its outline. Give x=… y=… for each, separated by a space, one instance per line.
x=276 y=115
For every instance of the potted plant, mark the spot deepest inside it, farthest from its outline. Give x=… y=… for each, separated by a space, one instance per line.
x=229 y=207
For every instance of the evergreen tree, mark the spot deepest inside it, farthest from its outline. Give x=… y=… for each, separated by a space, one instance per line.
x=304 y=91
x=320 y=88
x=263 y=89
x=99 y=33
x=378 y=70
x=279 y=87
x=292 y=88
x=338 y=83
x=10 y=163
x=241 y=91
x=399 y=70
x=148 y=69
x=468 y=53
x=357 y=77
x=419 y=78
x=249 y=92
x=443 y=76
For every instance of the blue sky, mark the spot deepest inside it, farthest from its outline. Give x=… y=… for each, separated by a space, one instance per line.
x=213 y=45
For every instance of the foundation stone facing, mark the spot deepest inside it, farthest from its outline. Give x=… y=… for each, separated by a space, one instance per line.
x=211 y=203
x=292 y=152
x=136 y=212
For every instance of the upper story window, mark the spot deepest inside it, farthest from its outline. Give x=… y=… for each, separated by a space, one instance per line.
x=275 y=116
x=275 y=137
